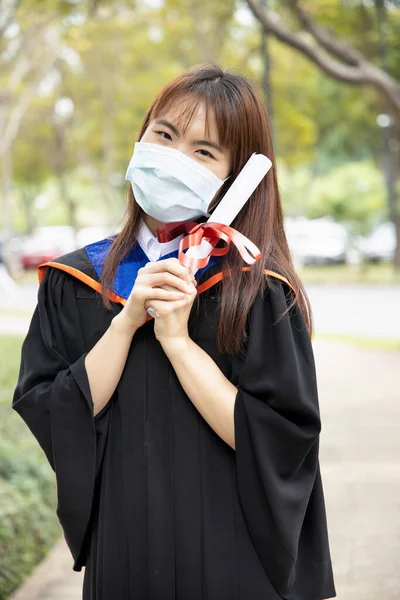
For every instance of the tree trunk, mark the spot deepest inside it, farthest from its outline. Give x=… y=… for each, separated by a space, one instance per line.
x=6 y=206
x=396 y=259
x=59 y=168
x=342 y=62
x=68 y=201
x=27 y=198
x=391 y=136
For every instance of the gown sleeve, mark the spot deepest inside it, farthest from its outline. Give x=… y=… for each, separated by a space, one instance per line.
x=53 y=397
x=277 y=427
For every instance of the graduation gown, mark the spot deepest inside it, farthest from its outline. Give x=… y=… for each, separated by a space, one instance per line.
x=151 y=500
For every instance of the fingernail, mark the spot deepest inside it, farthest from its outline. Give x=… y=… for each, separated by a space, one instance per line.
x=151 y=312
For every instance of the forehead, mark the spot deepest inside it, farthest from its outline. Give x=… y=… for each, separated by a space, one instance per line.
x=193 y=120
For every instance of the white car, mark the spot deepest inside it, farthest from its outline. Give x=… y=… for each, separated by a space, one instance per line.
x=316 y=241
x=46 y=243
x=88 y=235
x=380 y=244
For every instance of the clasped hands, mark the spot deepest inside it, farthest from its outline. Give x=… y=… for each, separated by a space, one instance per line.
x=170 y=289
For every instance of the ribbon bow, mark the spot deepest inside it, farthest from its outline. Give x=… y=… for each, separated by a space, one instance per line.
x=212 y=233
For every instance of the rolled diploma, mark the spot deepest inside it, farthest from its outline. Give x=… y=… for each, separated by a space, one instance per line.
x=235 y=198
x=232 y=203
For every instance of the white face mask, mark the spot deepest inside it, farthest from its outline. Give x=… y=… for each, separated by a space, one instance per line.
x=168 y=185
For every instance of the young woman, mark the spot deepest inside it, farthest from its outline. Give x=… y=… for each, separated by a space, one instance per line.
x=185 y=447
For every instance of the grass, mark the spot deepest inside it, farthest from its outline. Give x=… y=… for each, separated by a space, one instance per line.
x=10 y=350
x=370 y=274
x=364 y=342
x=12 y=427
x=13 y=312
x=374 y=274
x=27 y=277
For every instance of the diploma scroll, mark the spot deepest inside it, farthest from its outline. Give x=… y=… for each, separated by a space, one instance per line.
x=235 y=198
x=232 y=203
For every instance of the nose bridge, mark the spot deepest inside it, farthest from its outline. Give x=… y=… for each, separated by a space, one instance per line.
x=183 y=145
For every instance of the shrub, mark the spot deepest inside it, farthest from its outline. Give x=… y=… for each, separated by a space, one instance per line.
x=28 y=521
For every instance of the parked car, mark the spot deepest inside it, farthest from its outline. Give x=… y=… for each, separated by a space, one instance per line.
x=316 y=241
x=88 y=235
x=46 y=243
x=14 y=249
x=380 y=244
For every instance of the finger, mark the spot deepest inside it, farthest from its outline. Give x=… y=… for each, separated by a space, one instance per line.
x=166 y=279
x=163 y=309
x=162 y=294
x=172 y=265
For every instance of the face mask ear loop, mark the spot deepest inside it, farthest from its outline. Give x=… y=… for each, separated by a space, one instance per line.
x=215 y=206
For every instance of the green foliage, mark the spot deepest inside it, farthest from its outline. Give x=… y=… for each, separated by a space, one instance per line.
x=113 y=64
x=28 y=522
x=352 y=193
x=27 y=531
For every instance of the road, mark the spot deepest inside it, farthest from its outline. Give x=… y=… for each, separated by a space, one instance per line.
x=369 y=311
x=359 y=310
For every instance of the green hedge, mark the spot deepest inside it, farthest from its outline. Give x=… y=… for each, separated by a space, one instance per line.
x=28 y=522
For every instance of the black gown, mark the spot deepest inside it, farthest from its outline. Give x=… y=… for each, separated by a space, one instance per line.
x=152 y=501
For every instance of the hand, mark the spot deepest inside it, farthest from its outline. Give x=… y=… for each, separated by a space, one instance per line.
x=164 y=281
x=171 y=320
x=171 y=317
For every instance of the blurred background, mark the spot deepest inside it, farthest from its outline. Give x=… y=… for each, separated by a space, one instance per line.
x=76 y=77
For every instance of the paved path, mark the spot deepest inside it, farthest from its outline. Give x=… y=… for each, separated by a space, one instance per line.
x=53 y=579
x=360 y=457
x=360 y=463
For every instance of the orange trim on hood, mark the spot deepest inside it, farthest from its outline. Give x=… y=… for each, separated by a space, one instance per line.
x=219 y=276
x=95 y=285
x=89 y=281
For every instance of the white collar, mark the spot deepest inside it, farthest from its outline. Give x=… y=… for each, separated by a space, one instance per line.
x=150 y=245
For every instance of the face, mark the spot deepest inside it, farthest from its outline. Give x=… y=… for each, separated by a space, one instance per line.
x=164 y=130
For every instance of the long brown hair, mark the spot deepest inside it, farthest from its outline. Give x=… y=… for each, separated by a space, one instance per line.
x=243 y=128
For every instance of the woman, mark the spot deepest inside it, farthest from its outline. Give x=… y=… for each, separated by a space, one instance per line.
x=185 y=447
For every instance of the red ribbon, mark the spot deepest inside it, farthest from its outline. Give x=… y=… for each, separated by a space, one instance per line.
x=212 y=233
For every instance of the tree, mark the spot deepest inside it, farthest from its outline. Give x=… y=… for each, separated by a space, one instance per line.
x=341 y=61
x=115 y=56
x=31 y=45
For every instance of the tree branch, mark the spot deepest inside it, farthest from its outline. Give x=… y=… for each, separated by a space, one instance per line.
x=7 y=13
x=339 y=48
x=365 y=73
x=12 y=124
x=332 y=67
x=12 y=127
x=93 y=6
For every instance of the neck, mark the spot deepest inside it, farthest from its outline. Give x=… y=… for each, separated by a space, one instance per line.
x=152 y=223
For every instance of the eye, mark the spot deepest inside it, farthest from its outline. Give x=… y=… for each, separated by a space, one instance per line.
x=164 y=133
x=207 y=153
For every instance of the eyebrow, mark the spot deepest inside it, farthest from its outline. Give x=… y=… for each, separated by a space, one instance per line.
x=196 y=142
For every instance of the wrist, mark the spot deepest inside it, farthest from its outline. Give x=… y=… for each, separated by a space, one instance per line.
x=175 y=345
x=122 y=325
